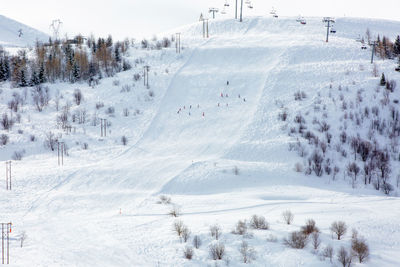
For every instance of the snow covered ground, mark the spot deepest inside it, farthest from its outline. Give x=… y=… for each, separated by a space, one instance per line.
x=219 y=151
x=16 y=34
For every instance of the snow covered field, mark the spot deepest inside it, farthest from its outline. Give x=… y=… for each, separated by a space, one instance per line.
x=218 y=151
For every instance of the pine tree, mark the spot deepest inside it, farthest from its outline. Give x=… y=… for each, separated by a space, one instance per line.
x=76 y=72
x=41 y=76
x=396 y=47
x=2 y=77
x=6 y=69
x=117 y=54
x=22 y=79
x=383 y=80
x=34 y=79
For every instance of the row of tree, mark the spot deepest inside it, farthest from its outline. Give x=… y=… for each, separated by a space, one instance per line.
x=64 y=60
x=386 y=48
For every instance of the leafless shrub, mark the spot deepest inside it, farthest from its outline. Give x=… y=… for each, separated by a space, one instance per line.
x=40 y=96
x=4 y=139
x=185 y=234
x=196 y=241
x=136 y=77
x=316 y=240
x=85 y=146
x=50 y=141
x=110 y=110
x=240 y=228
x=360 y=248
x=175 y=211
x=248 y=253
x=78 y=97
x=125 y=112
x=99 y=105
x=126 y=88
x=178 y=228
x=344 y=257
x=18 y=155
x=310 y=227
x=116 y=82
x=215 y=231
x=287 y=216
x=6 y=122
x=188 y=252
x=328 y=252
x=164 y=200
x=339 y=228
x=32 y=138
x=296 y=240
x=151 y=93
x=283 y=115
x=259 y=222
x=217 y=251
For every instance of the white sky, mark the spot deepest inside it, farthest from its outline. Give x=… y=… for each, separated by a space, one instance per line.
x=138 y=18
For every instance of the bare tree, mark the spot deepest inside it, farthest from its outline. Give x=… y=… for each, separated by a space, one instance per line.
x=360 y=248
x=240 y=228
x=196 y=241
x=259 y=222
x=215 y=231
x=344 y=257
x=248 y=253
x=217 y=251
x=22 y=238
x=316 y=240
x=339 y=228
x=288 y=216
x=328 y=252
x=296 y=240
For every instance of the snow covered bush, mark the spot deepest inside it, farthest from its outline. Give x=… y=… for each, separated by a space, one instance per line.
x=188 y=252
x=248 y=253
x=259 y=222
x=217 y=251
x=197 y=241
x=296 y=240
x=164 y=200
x=215 y=231
x=240 y=228
x=344 y=257
x=4 y=139
x=287 y=216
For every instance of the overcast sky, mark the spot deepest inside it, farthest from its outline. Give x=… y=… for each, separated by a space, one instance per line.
x=138 y=18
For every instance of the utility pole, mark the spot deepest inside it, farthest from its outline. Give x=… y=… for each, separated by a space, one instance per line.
x=5 y=233
x=374 y=44
x=103 y=127
x=328 y=21
x=205 y=28
x=146 y=75
x=60 y=153
x=8 y=175
x=236 y=7
x=213 y=10
x=178 y=42
x=241 y=10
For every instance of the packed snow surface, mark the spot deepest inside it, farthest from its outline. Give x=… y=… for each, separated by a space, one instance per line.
x=217 y=150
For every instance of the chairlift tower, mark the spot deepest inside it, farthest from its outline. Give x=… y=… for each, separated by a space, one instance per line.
x=213 y=10
x=241 y=10
x=373 y=44
x=328 y=21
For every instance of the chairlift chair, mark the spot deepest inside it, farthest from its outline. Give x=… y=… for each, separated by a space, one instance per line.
x=333 y=30
x=303 y=22
x=250 y=6
x=363 y=47
x=226 y=4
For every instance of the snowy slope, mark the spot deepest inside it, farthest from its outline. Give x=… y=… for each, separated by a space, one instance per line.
x=10 y=34
x=188 y=143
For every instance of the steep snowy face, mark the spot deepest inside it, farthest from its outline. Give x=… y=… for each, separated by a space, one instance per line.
x=16 y=34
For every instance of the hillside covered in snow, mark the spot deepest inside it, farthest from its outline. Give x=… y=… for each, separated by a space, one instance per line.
x=16 y=34
x=225 y=130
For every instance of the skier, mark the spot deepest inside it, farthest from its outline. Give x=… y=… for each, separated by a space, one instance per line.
x=222 y=95
x=203 y=113
x=239 y=95
x=227 y=82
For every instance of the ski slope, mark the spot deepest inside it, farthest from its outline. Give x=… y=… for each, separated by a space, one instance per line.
x=16 y=34
x=100 y=208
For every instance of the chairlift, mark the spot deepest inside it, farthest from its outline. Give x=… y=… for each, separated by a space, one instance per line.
x=250 y=6
x=363 y=47
x=226 y=4
x=303 y=22
x=333 y=30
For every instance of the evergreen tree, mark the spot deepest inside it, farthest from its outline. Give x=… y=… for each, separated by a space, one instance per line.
x=2 y=77
x=383 y=80
x=22 y=79
x=76 y=72
x=6 y=69
x=34 y=79
x=396 y=47
x=117 y=54
x=41 y=76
